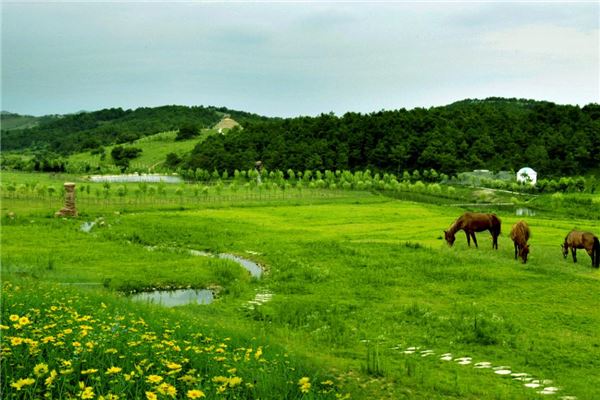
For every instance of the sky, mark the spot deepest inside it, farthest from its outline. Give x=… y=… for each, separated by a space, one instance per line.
x=294 y=58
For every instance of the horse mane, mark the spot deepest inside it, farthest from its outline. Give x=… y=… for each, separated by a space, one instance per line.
x=455 y=225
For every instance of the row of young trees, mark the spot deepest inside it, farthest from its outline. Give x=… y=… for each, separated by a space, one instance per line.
x=368 y=180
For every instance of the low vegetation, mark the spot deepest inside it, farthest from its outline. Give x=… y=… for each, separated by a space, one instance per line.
x=356 y=278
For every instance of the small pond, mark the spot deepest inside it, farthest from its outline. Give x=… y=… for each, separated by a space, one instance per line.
x=524 y=212
x=136 y=178
x=172 y=298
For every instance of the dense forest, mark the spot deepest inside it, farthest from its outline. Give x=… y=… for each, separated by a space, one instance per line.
x=495 y=134
x=88 y=130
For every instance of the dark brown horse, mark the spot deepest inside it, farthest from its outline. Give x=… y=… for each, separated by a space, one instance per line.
x=474 y=222
x=582 y=240
x=520 y=235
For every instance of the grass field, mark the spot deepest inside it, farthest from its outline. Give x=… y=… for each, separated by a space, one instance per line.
x=357 y=280
x=153 y=150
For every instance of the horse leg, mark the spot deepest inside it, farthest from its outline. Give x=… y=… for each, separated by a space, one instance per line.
x=468 y=238
x=516 y=250
x=591 y=254
x=574 y=253
x=474 y=239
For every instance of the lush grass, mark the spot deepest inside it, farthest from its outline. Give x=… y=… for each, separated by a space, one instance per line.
x=62 y=343
x=154 y=150
x=355 y=280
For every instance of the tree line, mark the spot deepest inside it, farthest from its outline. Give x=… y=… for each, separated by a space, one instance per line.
x=89 y=130
x=495 y=134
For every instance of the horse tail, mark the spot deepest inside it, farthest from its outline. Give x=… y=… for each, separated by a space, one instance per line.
x=596 y=253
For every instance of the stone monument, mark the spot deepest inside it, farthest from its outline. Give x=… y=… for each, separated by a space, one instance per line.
x=69 y=209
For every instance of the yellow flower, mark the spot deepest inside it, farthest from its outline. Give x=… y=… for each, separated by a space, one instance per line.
x=172 y=365
x=40 y=369
x=22 y=382
x=220 y=379
x=304 y=384
x=89 y=371
x=113 y=370
x=258 y=353
x=4 y=327
x=154 y=379
x=151 y=396
x=48 y=339
x=16 y=341
x=195 y=394
x=234 y=381
x=169 y=390
x=24 y=321
x=76 y=344
x=327 y=382
x=14 y=318
x=88 y=393
x=50 y=379
x=67 y=331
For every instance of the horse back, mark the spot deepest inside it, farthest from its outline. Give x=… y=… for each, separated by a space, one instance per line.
x=478 y=222
x=520 y=232
x=581 y=240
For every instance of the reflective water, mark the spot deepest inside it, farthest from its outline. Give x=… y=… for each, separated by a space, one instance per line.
x=523 y=211
x=172 y=298
x=87 y=226
x=136 y=178
x=254 y=269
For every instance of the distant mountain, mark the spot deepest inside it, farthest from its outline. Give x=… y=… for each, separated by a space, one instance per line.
x=72 y=133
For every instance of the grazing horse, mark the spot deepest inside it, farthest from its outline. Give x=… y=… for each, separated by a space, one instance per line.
x=582 y=240
x=474 y=222
x=520 y=235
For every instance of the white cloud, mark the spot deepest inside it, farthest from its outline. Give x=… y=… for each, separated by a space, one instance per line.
x=546 y=40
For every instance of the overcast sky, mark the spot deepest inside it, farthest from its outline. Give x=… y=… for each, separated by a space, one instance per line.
x=295 y=58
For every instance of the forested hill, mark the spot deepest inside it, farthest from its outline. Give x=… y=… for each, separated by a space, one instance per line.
x=87 y=130
x=495 y=134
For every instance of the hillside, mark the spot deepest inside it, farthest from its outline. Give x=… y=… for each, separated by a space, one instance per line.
x=11 y=121
x=495 y=134
x=88 y=130
x=154 y=151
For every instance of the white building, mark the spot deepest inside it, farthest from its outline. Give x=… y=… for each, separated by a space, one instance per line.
x=527 y=175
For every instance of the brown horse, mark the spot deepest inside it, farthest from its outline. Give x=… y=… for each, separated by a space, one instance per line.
x=582 y=240
x=475 y=222
x=520 y=235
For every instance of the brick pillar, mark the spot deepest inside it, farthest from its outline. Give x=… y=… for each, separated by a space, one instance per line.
x=69 y=209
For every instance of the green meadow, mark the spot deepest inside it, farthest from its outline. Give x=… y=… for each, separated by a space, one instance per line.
x=153 y=151
x=366 y=299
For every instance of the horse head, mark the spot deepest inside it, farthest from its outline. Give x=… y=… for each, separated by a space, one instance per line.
x=565 y=249
x=523 y=253
x=450 y=238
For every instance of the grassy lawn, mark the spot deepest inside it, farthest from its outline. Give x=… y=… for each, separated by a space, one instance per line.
x=356 y=281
